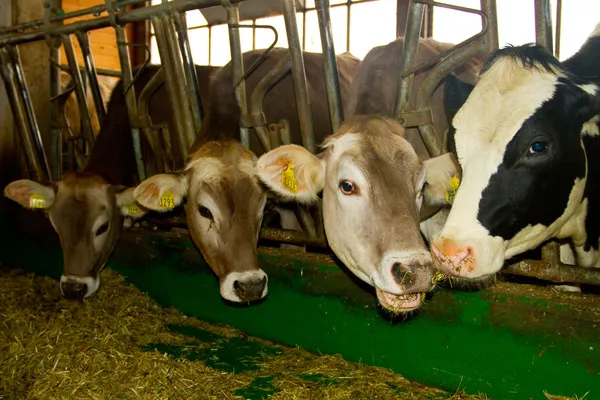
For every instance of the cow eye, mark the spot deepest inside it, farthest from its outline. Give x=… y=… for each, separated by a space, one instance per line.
x=102 y=229
x=205 y=212
x=538 y=147
x=348 y=187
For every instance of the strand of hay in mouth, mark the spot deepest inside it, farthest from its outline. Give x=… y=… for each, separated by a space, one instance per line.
x=104 y=348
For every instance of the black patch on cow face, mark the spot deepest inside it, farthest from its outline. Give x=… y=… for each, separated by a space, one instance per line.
x=592 y=191
x=530 y=55
x=456 y=93
x=530 y=189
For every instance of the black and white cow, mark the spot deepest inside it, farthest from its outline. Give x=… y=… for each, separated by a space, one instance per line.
x=528 y=141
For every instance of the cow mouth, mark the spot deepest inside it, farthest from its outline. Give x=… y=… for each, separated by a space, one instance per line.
x=400 y=303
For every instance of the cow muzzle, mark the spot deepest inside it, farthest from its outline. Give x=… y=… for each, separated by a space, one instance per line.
x=77 y=287
x=473 y=260
x=244 y=287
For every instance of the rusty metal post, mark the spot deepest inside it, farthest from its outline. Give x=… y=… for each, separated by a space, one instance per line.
x=174 y=75
x=237 y=63
x=90 y=69
x=543 y=24
x=18 y=95
x=190 y=68
x=257 y=115
x=414 y=21
x=491 y=38
x=299 y=76
x=80 y=94
x=332 y=80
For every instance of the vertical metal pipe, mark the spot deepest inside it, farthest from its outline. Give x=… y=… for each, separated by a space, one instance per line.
x=543 y=24
x=332 y=80
x=190 y=68
x=176 y=86
x=18 y=95
x=130 y=98
x=90 y=69
x=491 y=37
x=558 y=28
x=80 y=93
x=414 y=20
x=56 y=137
x=299 y=76
x=237 y=63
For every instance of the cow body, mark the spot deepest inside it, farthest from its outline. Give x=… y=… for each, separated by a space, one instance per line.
x=528 y=141
x=225 y=201
x=375 y=85
x=87 y=208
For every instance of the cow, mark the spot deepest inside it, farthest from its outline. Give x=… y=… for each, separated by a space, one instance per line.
x=105 y=83
x=87 y=208
x=527 y=138
x=225 y=200
x=375 y=177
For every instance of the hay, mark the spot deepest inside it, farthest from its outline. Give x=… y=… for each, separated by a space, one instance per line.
x=51 y=348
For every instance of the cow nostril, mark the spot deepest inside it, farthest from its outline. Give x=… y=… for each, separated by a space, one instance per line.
x=403 y=275
x=251 y=289
x=74 y=290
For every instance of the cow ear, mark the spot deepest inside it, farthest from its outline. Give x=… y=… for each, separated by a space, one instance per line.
x=31 y=194
x=456 y=93
x=161 y=192
x=127 y=204
x=443 y=180
x=292 y=172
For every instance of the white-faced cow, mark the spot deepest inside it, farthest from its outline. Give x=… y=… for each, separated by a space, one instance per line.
x=225 y=200
x=528 y=142
x=375 y=179
x=87 y=208
x=373 y=185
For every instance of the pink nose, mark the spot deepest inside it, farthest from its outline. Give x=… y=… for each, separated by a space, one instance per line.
x=453 y=258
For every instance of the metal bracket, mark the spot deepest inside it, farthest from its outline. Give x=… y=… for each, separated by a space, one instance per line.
x=412 y=119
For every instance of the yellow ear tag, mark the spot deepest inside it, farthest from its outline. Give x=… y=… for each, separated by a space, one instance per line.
x=167 y=200
x=288 y=179
x=133 y=209
x=452 y=188
x=37 y=201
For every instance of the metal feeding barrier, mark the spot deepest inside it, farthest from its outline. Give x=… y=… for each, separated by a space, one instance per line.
x=169 y=149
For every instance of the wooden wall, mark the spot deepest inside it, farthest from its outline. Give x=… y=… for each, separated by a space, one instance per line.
x=103 y=41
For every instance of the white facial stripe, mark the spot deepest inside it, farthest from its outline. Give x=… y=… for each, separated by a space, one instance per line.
x=92 y=283
x=589 y=88
x=590 y=128
x=596 y=31
x=228 y=291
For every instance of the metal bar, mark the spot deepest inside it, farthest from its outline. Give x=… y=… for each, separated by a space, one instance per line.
x=80 y=94
x=414 y=20
x=155 y=83
x=491 y=39
x=90 y=68
x=332 y=80
x=56 y=135
x=190 y=69
x=237 y=63
x=543 y=24
x=299 y=76
x=550 y=268
x=16 y=89
x=174 y=75
x=138 y=14
x=558 y=28
x=130 y=98
x=292 y=237
x=258 y=95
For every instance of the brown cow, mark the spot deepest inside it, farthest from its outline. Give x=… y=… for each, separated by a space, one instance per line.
x=87 y=208
x=375 y=178
x=225 y=200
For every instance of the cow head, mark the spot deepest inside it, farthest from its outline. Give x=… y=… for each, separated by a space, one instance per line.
x=87 y=213
x=373 y=187
x=224 y=210
x=519 y=142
